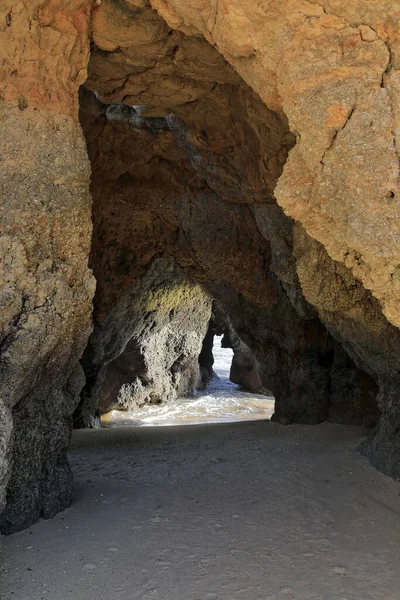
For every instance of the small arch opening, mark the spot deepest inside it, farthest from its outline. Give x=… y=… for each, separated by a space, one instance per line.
x=219 y=400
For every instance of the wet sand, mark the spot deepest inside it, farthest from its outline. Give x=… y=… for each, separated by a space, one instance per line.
x=242 y=511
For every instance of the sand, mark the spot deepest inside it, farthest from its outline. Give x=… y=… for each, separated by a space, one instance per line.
x=242 y=511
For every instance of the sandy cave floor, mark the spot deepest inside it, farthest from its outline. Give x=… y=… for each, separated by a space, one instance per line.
x=249 y=511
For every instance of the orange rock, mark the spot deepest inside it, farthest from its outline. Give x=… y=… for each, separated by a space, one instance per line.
x=337 y=115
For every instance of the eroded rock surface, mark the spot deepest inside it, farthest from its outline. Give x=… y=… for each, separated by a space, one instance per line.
x=253 y=148
x=333 y=71
x=356 y=319
x=163 y=196
x=46 y=287
x=146 y=350
x=244 y=368
x=330 y=70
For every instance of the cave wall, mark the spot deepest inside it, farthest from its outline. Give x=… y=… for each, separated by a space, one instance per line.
x=356 y=319
x=262 y=158
x=327 y=73
x=163 y=196
x=332 y=68
x=46 y=286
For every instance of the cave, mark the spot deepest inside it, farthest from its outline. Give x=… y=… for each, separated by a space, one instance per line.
x=169 y=172
x=225 y=387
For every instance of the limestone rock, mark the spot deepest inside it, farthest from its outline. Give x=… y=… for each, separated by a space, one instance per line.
x=252 y=147
x=46 y=287
x=163 y=199
x=146 y=349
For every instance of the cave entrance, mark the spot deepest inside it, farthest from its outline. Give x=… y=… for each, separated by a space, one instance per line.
x=220 y=401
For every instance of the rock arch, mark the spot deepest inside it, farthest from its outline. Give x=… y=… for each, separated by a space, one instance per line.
x=243 y=152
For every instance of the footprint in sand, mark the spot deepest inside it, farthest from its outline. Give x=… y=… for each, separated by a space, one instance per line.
x=89 y=566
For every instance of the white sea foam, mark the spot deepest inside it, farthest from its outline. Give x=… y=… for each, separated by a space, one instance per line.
x=221 y=401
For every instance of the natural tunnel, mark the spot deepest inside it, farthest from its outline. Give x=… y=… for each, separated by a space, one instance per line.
x=158 y=160
x=219 y=399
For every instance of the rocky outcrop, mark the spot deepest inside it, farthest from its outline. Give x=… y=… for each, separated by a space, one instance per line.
x=244 y=370
x=356 y=319
x=41 y=481
x=298 y=361
x=146 y=349
x=206 y=357
x=244 y=367
x=5 y=451
x=46 y=287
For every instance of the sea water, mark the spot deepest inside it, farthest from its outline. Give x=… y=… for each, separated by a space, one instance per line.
x=221 y=401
